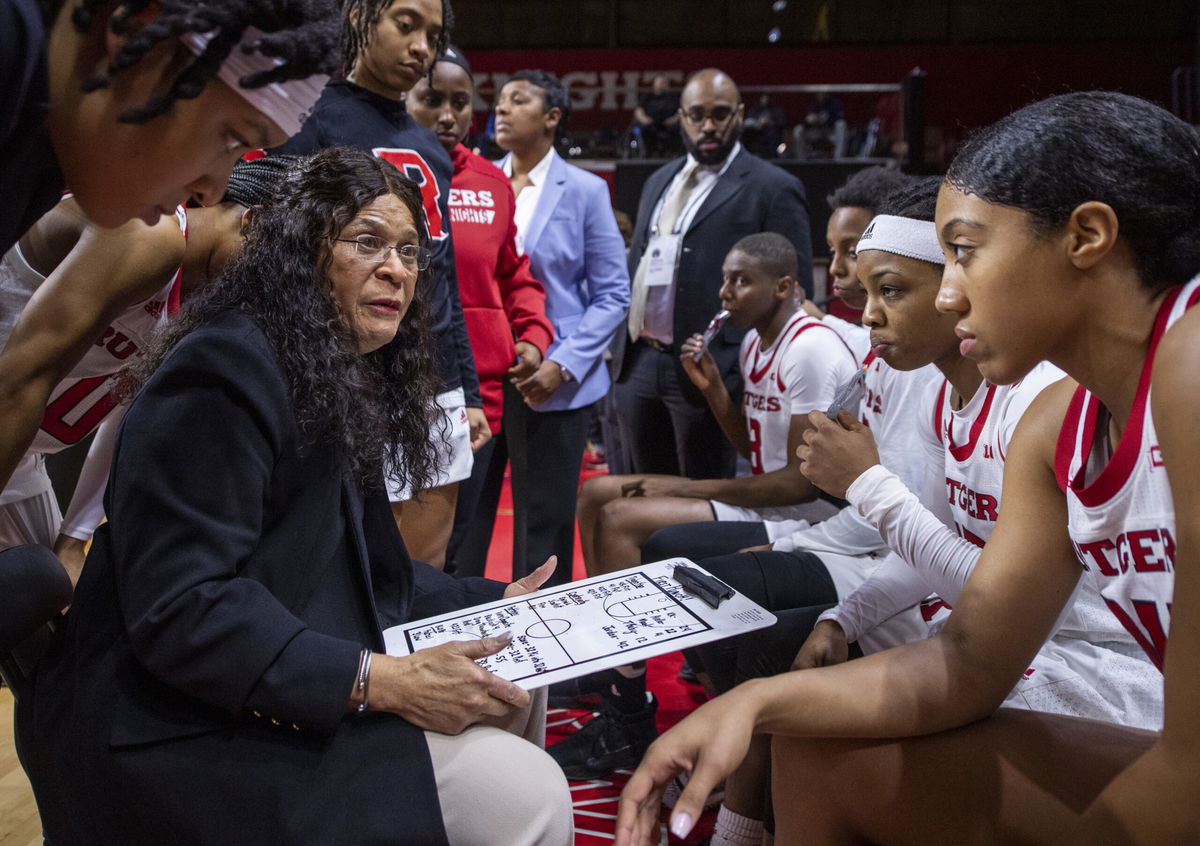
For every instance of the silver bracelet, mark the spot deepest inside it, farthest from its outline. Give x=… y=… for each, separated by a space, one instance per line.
x=364 y=678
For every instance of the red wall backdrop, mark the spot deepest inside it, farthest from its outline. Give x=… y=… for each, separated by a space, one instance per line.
x=968 y=86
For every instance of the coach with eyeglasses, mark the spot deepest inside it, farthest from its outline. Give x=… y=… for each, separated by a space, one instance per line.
x=692 y=211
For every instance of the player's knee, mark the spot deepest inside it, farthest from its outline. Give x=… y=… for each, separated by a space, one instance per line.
x=596 y=492
x=615 y=516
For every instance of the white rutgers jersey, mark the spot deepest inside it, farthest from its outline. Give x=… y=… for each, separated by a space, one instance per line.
x=974 y=441
x=892 y=409
x=79 y=403
x=1120 y=512
x=797 y=374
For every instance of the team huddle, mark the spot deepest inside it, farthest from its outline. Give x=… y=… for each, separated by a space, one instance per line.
x=307 y=344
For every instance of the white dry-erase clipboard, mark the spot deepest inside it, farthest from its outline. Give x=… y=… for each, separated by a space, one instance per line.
x=594 y=624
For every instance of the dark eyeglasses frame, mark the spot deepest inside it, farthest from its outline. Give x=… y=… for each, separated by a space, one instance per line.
x=420 y=260
x=690 y=115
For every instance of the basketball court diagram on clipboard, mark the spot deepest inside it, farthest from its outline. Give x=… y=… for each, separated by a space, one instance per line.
x=586 y=626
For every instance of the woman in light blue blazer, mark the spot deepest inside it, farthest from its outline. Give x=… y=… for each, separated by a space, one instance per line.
x=565 y=224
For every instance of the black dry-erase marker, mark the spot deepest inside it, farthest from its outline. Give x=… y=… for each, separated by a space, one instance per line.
x=709 y=588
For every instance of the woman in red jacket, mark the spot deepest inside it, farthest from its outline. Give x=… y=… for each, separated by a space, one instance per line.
x=503 y=304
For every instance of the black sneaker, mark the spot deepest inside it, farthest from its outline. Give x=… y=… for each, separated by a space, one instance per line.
x=611 y=741
x=580 y=692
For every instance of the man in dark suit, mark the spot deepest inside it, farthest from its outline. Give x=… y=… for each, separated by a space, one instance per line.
x=692 y=210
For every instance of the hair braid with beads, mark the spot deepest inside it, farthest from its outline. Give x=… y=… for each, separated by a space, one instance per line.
x=303 y=34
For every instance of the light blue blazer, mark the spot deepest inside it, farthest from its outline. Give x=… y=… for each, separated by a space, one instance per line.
x=577 y=253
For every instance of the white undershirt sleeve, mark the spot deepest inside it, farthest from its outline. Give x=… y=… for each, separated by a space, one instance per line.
x=86 y=510
x=943 y=559
x=892 y=587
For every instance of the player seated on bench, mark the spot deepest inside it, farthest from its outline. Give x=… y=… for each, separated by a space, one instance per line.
x=1090 y=667
x=1090 y=268
x=791 y=364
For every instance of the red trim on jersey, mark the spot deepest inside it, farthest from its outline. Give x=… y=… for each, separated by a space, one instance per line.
x=1154 y=651
x=961 y=452
x=755 y=349
x=937 y=411
x=1193 y=299
x=796 y=325
x=1064 y=450
x=1124 y=458
x=779 y=380
x=866 y=362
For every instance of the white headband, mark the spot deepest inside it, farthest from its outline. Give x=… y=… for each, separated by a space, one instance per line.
x=915 y=239
x=286 y=103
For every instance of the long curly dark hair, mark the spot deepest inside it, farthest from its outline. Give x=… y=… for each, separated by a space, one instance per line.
x=380 y=407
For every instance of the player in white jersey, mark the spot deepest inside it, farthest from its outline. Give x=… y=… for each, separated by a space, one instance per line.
x=838 y=552
x=791 y=364
x=1066 y=226
x=800 y=575
x=1090 y=667
x=78 y=303
x=1120 y=511
x=936 y=521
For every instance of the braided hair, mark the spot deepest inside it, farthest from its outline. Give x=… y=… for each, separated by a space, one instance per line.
x=302 y=33
x=253 y=182
x=359 y=19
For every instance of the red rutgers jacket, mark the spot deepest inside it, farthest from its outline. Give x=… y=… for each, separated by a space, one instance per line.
x=500 y=297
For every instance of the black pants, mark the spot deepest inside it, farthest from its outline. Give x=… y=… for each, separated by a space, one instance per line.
x=795 y=586
x=703 y=540
x=666 y=425
x=469 y=492
x=546 y=451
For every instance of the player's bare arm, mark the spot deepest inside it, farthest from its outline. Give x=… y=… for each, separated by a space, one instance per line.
x=1153 y=801
x=105 y=272
x=785 y=486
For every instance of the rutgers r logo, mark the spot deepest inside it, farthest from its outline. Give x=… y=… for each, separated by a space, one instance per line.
x=1156 y=459
x=414 y=166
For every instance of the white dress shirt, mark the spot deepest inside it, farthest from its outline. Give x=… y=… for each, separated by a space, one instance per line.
x=527 y=200
x=660 y=301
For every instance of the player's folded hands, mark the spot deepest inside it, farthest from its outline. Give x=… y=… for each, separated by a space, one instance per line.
x=709 y=744
x=442 y=688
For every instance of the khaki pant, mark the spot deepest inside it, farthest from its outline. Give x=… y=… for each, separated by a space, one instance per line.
x=497 y=785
